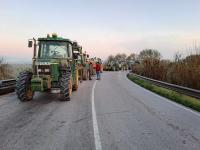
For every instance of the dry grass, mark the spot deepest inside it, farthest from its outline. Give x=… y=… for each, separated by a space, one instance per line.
x=184 y=72
x=5 y=70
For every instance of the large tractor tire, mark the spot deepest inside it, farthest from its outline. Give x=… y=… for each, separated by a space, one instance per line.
x=76 y=81
x=66 y=86
x=80 y=74
x=23 y=86
x=70 y=85
x=85 y=74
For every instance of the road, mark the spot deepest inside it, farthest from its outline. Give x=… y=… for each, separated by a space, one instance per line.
x=110 y=114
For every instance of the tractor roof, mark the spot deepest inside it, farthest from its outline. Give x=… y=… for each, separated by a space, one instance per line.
x=54 y=39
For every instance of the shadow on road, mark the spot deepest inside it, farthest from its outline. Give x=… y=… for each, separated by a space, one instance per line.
x=45 y=98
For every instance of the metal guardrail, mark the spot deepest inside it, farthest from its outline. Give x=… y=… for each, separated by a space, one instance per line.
x=7 y=86
x=180 y=89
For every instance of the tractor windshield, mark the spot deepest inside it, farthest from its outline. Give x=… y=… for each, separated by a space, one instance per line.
x=54 y=49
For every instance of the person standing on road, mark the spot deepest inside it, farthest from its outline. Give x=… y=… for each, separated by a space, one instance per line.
x=98 y=70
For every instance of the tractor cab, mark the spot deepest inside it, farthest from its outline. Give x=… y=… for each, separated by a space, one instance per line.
x=54 y=48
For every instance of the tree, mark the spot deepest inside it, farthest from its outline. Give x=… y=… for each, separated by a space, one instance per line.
x=149 y=53
x=109 y=59
x=150 y=60
x=120 y=57
x=177 y=57
x=132 y=56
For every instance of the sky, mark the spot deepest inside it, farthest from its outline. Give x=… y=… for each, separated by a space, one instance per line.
x=102 y=27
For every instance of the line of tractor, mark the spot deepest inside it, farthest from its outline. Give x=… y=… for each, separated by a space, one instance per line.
x=58 y=64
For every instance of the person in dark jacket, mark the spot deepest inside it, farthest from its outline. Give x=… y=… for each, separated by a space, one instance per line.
x=98 y=70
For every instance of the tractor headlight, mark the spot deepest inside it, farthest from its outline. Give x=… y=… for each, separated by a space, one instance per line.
x=46 y=70
x=43 y=69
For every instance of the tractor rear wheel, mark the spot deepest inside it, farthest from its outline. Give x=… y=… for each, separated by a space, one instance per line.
x=23 y=86
x=76 y=81
x=65 y=87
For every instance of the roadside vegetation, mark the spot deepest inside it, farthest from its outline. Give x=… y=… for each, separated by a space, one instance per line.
x=17 y=68
x=5 y=69
x=181 y=71
x=172 y=95
x=11 y=71
x=184 y=71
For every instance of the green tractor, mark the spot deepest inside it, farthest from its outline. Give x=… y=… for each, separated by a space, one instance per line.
x=77 y=72
x=84 y=62
x=81 y=62
x=53 y=68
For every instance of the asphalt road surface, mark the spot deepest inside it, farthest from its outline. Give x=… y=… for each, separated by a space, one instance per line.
x=110 y=114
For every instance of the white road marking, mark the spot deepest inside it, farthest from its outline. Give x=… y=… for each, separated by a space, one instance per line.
x=97 y=139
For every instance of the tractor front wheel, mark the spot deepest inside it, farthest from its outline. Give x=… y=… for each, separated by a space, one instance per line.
x=23 y=86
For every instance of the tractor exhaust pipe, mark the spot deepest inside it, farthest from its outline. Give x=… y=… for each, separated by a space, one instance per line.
x=34 y=48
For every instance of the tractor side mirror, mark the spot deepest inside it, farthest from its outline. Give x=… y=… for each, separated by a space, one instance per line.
x=30 y=43
x=75 y=54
